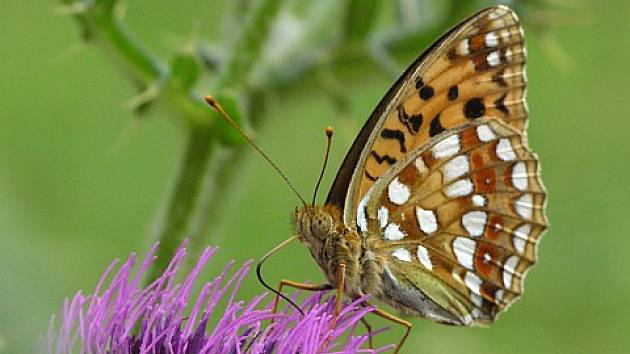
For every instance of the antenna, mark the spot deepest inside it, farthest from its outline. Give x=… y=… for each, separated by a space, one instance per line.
x=329 y=134
x=217 y=107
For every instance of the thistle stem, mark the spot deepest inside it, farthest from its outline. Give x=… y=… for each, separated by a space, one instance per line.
x=176 y=221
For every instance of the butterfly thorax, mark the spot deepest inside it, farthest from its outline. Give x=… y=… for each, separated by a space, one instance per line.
x=331 y=243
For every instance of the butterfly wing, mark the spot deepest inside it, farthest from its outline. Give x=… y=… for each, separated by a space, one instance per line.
x=474 y=70
x=457 y=222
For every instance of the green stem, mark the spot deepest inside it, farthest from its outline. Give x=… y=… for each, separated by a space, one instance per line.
x=102 y=27
x=99 y=23
x=144 y=67
x=175 y=223
x=248 y=45
x=221 y=186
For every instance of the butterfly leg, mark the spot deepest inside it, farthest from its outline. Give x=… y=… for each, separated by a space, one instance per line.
x=341 y=280
x=368 y=328
x=388 y=316
x=297 y=285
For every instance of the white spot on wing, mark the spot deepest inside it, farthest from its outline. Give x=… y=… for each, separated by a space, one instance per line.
x=423 y=257
x=476 y=313
x=485 y=133
x=456 y=167
x=456 y=276
x=504 y=34
x=460 y=188
x=478 y=200
x=464 y=47
x=393 y=232
x=477 y=299
x=493 y=59
x=447 y=147
x=420 y=165
x=473 y=282
x=520 y=237
x=497 y=227
x=426 y=220
x=475 y=222
x=464 y=249
x=361 y=217
x=498 y=296
x=402 y=254
x=491 y=39
x=505 y=150
x=499 y=23
x=398 y=192
x=509 y=269
x=494 y=15
x=520 y=179
x=524 y=206
x=383 y=214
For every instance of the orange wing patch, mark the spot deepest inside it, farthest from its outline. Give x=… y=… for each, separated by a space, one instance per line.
x=469 y=206
x=479 y=72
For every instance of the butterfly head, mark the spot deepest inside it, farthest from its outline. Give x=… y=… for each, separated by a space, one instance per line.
x=315 y=223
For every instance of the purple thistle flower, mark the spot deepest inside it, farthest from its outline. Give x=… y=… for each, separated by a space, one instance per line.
x=121 y=317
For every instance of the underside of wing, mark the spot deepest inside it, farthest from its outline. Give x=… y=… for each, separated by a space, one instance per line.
x=458 y=222
x=476 y=70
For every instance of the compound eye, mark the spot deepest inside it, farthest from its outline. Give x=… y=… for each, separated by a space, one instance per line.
x=321 y=225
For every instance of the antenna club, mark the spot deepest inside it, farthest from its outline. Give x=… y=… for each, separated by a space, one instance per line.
x=329 y=131
x=211 y=101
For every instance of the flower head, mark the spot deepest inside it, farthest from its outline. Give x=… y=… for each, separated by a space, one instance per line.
x=169 y=317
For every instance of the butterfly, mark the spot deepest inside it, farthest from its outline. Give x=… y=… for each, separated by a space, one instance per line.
x=438 y=206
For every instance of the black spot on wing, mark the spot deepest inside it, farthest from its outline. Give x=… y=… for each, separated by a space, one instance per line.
x=403 y=117
x=412 y=123
x=385 y=158
x=419 y=82
x=474 y=108
x=436 y=126
x=499 y=79
x=415 y=122
x=426 y=92
x=500 y=104
x=453 y=93
x=369 y=176
x=396 y=135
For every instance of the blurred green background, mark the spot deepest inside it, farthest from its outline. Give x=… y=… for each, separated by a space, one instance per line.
x=80 y=184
